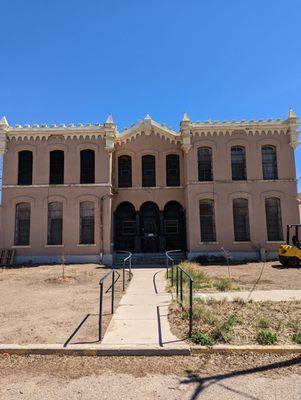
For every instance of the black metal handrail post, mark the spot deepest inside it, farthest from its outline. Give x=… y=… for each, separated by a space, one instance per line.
x=100 y=311
x=168 y=260
x=179 y=290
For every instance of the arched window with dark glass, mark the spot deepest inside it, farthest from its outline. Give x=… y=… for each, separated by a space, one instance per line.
x=55 y=223
x=125 y=171
x=241 y=220
x=207 y=221
x=87 y=166
x=172 y=170
x=87 y=222
x=56 y=167
x=238 y=163
x=269 y=162
x=148 y=171
x=22 y=224
x=25 y=160
x=273 y=219
x=205 y=164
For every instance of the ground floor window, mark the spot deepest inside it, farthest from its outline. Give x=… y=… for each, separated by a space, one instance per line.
x=55 y=223
x=207 y=221
x=241 y=220
x=273 y=219
x=22 y=224
x=87 y=222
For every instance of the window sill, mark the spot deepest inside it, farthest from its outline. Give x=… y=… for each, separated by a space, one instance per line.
x=205 y=243
x=21 y=246
x=86 y=245
x=54 y=245
x=275 y=241
x=242 y=242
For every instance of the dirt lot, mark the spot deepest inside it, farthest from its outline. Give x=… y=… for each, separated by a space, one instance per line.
x=39 y=305
x=272 y=275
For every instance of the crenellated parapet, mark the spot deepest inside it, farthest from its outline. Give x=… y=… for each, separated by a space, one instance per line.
x=3 y=135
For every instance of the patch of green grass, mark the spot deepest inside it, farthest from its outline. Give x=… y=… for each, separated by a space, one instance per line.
x=202 y=338
x=223 y=333
x=223 y=284
x=297 y=337
x=263 y=323
x=266 y=337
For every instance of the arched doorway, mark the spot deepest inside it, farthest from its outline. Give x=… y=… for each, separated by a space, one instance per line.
x=149 y=227
x=125 y=227
x=174 y=226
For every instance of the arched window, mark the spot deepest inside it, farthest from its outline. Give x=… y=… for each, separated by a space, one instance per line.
x=25 y=167
x=205 y=164
x=273 y=219
x=55 y=223
x=87 y=166
x=207 y=220
x=125 y=227
x=269 y=162
x=22 y=224
x=238 y=162
x=56 y=167
x=172 y=170
x=241 y=220
x=86 y=222
x=148 y=171
x=125 y=171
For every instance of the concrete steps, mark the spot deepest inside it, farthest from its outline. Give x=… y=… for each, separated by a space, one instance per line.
x=147 y=259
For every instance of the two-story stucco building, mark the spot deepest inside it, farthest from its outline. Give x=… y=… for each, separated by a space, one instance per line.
x=81 y=192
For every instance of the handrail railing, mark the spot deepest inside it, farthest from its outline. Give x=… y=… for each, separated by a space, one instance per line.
x=125 y=260
x=169 y=260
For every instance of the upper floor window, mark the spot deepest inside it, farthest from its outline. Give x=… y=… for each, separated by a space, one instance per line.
x=148 y=171
x=55 y=223
x=86 y=222
x=238 y=162
x=205 y=164
x=269 y=162
x=87 y=166
x=56 y=167
x=22 y=224
x=25 y=167
x=125 y=171
x=172 y=170
x=273 y=219
x=207 y=221
x=241 y=220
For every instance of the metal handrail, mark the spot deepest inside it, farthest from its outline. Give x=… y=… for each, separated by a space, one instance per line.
x=169 y=258
x=129 y=260
x=101 y=283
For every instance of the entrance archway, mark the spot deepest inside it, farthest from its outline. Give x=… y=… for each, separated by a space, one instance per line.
x=174 y=226
x=125 y=227
x=149 y=227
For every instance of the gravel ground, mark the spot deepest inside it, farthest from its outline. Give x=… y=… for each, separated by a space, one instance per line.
x=207 y=377
x=244 y=276
x=39 y=305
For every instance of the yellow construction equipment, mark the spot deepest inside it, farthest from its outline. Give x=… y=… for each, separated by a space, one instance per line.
x=290 y=253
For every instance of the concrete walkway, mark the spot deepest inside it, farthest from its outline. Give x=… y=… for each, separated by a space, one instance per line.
x=257 y=295
x=141 y=317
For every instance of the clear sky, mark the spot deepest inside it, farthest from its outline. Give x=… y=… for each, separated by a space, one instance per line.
x=76 y=61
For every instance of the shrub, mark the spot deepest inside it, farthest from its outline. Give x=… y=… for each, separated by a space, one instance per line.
x=223 y=284
x=223 y=333
x=263 y=323
x=202 y=338
x=266 y=337
x=297 y=337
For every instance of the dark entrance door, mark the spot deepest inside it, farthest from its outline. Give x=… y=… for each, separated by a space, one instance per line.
x=149 y=227
x=174 y=226
x=125 y=227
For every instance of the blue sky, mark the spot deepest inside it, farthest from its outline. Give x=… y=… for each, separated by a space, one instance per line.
x=75 y=61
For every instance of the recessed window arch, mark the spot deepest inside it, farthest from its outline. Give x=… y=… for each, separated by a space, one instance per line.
x=207 y=220
x=87 y=222
x=148 y=170
x=273 y=219
x=238 y=163
x=241 y=220
x=25 y=161
x=125 y=171
x=56 y=167
x=269 y=162
x=172 y=170
x=55 y=223
x=22 y=224
x=87 y=166
x=205 y=170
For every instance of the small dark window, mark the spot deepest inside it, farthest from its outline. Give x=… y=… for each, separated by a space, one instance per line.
x=22 y=224
x=238 y=162
x=56 y=167
x=55 y=223
x=269 y=162
x=172 y=170
x=205 y=164
x=87 y=222
x=148 y=171
x=273 y=219
x=25 y=168
x=87 y=166
x=207 y=221
x=125 y=171
x=128 y=228
x=241 y=220
x=171 y=227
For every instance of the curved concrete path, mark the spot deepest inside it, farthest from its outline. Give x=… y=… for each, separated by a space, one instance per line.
x=141 y=317
x=257 y=295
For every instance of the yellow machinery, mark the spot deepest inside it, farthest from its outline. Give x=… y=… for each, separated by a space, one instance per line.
x=290 y=253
